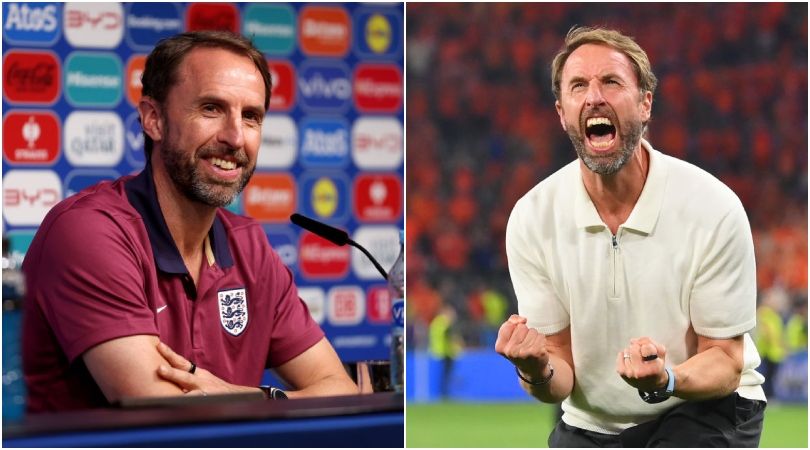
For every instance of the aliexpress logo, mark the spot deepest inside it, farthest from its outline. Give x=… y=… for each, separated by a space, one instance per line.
x=324 y=31
x=319 y=258
x=378 y=88
x=270 y=197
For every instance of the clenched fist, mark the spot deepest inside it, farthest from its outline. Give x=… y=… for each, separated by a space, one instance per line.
x=525 y=347
x=641 y=364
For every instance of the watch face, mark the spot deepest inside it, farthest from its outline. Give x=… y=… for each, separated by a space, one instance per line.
x=278 y=394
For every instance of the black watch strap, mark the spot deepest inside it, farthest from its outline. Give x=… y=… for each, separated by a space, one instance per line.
x=273 y=393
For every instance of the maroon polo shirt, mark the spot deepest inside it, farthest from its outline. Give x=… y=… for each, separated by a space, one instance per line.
x=103 y=266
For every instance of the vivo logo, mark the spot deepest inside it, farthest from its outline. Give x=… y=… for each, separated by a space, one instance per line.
x=318 y=86
x=325 y=86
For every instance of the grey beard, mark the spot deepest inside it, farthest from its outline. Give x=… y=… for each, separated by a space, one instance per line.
x=188 y=180
x=607 y=165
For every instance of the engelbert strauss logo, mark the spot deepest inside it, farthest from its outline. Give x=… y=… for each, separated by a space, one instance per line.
x=233 y=310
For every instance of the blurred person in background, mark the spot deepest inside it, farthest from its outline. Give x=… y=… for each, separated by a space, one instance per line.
x=445 y=344
x=146 y=286
x=634 y=273
x=770 y=336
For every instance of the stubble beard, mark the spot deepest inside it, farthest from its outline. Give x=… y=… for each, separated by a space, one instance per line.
x=186 y=175
x=607 y=164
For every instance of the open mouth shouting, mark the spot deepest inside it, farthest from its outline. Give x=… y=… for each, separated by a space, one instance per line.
x=600 y=133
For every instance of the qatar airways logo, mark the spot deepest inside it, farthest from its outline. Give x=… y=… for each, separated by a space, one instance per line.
x=94 y=139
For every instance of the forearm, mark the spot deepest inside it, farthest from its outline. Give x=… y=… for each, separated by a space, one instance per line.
x=558 y=388
x=327 y=386
x=709 y=374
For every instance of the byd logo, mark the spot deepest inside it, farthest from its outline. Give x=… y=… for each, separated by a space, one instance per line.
x=96 y=25
x=28 y=195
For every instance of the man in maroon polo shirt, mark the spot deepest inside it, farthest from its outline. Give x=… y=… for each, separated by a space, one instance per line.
x=145 y=286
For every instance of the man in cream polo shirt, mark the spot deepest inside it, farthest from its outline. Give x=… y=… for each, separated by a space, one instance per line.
x=634 y=273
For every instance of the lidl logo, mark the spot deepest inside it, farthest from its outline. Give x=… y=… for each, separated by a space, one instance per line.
x=28 y=195
x=326 y=196
x=93 y=79
x=94 y=138
x=31 y=23
x=134 y=141
x=378 y=33
x=31 y=137
x=134 y=72
x=377 y=143
x=148 y=23
x=324 y=31
x=279 y=142
x=271 y=27
x=377 y=197
x=270 y=197
x=345 y=305
x=94 y=25
x=321 y=259
x=378 y=304
x=31 y=77
x=285 y=245
x=324 y=142
x=282 y=93
x=81 y=179
x=325 y=86
x=378 y=88
x=315 y=299
x=380 y=241
x=212 y=16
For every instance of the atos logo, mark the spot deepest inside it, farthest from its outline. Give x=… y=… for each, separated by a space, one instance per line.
x=321 y=259
x=345 y=305
x=380 y=241
x=31 y=77
x=94 y=25
x=279 y=143
x=377 y=143
x=378 y=304
x=212 y=16
x=377 y=198
x=326 y=196
x=93 y=79
x=134 y=72
x=134 y=141
x=324 y=30
x=31 y=23
x=31 y=137
x=147 y=23
x=78 y=180
x=378 y=88
x=378 y=33
x=315 y=299
x=94 y=139
x=324 y=142
x=282 y=93
x=284 y=244
x=28 y=195
x=270 y=197
x=325 y=86
x=272 y=27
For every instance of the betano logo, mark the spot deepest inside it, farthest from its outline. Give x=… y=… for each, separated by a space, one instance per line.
x=31 y=77
x=94 y=25
x=378 y=88
x=270 y=197
x=31 y=23
x=28 y=195
x=31 y=137
x=321 y=259
x=93 y=79
x=324 y=30
x=272 y=27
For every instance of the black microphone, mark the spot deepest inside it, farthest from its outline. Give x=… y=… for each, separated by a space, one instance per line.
x=333 y=235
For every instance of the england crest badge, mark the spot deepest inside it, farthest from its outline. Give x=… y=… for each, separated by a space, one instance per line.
x=233 y=310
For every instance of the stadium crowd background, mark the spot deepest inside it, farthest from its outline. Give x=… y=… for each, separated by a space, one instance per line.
x=482 y=130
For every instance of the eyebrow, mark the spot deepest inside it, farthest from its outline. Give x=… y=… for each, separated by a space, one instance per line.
x=257 y=109
x=604 y=77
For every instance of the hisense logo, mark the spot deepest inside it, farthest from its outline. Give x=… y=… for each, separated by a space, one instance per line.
x=93 y=81
x=271 y=30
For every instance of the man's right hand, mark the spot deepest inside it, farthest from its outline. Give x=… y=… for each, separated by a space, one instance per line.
x=525 y=347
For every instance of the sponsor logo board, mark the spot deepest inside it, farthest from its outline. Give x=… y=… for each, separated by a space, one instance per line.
x=272 y=27
x=321 y=259
x=147 y=23
x=378 y=88
x=377 y=143
x=380 y=241
x=324 y=31
x=31 y=137
x=80 y=179
x=94 y=25
x=377 y=197
x=134 y=141
x=28 y=195
x=31 y=77
x=93 y=79
x=324 y=142
x=325 y=196
x=212 y=16
x=270 y=197
x=134 y=72
x=18 y=243
x=378 y=304
x=94 y=138
x=285 y=244
x=315 y=299
x=34 y=24
x=378 y=33
x=282 y=96
x=324 y=86
x=345 y=305
x=279 y=143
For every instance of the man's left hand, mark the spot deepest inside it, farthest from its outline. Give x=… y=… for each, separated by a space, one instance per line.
x=648 y=375
x=201 y=382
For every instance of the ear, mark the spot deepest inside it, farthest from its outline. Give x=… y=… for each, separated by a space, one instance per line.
x=561 y=114
x=646 y=106
x=151 y=118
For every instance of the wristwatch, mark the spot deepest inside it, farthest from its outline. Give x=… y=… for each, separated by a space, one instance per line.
x=659 y=396
x=273 y=393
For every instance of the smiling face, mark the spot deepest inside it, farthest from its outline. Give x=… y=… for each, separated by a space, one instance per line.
x=601 y=107
x=212 y=125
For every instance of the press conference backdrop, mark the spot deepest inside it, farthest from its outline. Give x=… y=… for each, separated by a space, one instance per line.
x=331 y=142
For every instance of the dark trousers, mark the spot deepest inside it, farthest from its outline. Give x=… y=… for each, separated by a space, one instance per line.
x=730 y=421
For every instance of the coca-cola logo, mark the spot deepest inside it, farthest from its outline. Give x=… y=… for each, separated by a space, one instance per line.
x=212 y=16
x=31 y=77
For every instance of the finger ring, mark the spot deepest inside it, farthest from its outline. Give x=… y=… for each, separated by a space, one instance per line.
x=193 y=367
x=205 y=394
x=626 y=356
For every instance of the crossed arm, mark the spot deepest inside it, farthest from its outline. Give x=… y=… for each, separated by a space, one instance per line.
x=142 y=366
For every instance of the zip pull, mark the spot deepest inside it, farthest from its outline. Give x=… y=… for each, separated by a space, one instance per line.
x=615 y=243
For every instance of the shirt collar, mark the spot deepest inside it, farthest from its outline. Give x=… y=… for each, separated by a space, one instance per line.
x=648 y=207
x=143 y=197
